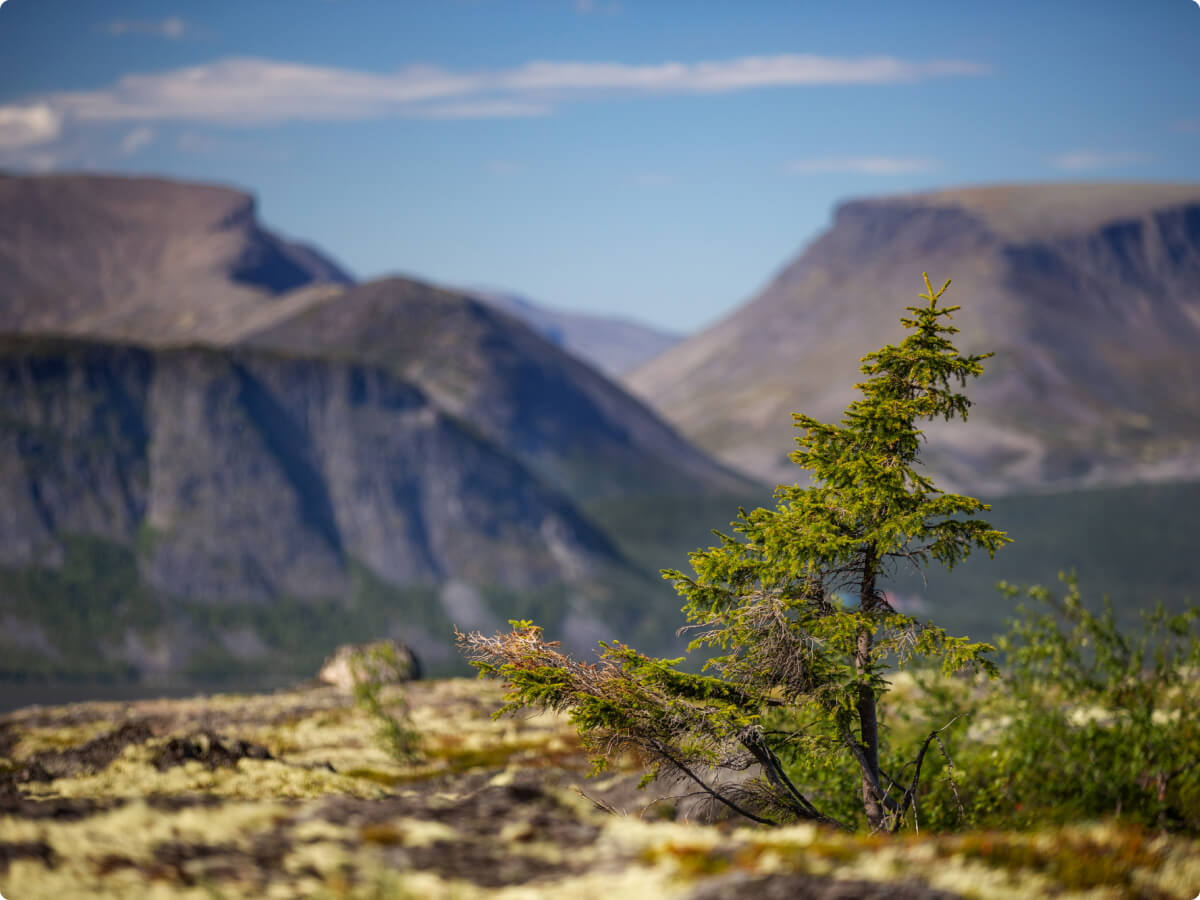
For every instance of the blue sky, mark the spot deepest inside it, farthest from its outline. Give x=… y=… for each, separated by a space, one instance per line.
x=656 y=160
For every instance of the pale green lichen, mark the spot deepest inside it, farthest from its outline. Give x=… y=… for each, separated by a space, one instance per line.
x=118 y=852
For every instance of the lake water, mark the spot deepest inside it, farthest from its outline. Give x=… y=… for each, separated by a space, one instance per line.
x=18 y=695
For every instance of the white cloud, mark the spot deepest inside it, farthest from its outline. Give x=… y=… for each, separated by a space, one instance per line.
x=262 y=91
x=726 y=75
x=862 y=165
x=253 y=91
x=482 y=109
x=137 y=139
x=172 y=28
x=24 y=126
x=1087 y=160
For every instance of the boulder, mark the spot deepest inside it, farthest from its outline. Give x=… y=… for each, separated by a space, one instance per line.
x=385 y=662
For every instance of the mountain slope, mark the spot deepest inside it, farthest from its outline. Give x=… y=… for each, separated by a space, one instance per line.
x=614 y=346
x=1088 y=294
x=141 y=259
x=568 y=423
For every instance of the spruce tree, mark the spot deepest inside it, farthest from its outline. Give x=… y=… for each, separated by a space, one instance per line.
x=791 y=609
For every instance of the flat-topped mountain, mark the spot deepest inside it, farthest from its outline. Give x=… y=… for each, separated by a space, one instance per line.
x=143 y=259
x=1089 y=294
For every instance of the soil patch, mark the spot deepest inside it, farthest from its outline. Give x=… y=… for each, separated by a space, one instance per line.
x=812 y=887
x=493 y=825
x=63 y=809
x=10 y=851
x=208 y=748
x=8 y=738
x=92 y=757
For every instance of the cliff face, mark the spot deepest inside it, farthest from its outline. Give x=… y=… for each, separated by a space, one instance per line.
x=1089 y=295
x=73 y=444
x=236 y=478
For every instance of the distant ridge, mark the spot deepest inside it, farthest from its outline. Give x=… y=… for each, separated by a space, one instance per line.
x=613 y=345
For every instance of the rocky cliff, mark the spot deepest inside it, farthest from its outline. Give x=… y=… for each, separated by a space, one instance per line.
x=246 y=476
x=1089 y=295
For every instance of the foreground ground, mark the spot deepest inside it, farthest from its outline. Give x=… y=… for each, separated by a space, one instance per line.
x=291 y=795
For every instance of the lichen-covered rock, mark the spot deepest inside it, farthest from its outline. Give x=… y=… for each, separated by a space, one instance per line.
x=383 y=662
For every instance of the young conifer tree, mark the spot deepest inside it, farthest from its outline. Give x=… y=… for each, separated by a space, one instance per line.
x=792 y=611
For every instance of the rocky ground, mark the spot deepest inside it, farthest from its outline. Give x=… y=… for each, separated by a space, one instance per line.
x=292 y=795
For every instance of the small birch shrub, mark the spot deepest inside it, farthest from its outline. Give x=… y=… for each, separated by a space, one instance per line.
x=1092 y=721
x=375 y=669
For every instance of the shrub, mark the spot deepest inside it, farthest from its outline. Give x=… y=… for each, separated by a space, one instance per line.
x=1097 y=722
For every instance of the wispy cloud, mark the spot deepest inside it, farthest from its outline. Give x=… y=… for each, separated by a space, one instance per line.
x=252 y=91
x=862 y=165
x=26 y=126
x=727 y=75
x=172 y=28
x=259 y=90
x=1088 y=160
x=480 y=109
x=136 y=139
x=1186 y=126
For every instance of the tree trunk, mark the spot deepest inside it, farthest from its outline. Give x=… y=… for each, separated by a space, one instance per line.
x=867 y=717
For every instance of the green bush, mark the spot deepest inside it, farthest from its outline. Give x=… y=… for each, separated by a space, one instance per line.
x=375 y=669
x=1089 y=721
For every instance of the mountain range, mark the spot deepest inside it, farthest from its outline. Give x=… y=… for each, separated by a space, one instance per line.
x=220 y=456
x=238 y=434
